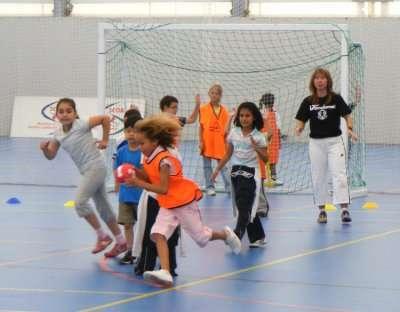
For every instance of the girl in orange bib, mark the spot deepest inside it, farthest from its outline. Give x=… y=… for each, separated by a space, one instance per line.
x=176 y=194
x=213 y=120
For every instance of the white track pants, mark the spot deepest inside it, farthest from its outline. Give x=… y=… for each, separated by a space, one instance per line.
x=328 y=158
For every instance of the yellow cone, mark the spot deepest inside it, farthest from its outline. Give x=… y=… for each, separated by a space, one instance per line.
x=330 y=207
x=370 y=205
x=69 y=204
x=269 y=183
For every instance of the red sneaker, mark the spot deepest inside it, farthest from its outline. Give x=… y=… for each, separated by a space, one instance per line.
x=116 y=250
x=102 y=244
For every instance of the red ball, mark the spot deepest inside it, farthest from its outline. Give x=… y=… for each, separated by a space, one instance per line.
x=124 y=171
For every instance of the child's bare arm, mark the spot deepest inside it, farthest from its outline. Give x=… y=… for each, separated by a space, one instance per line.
x=223 y=161
x=49 y=148
x=195 y=113
x=141 y=174
x=201 y=142
x=161 y=188
x=260 y=150
x=105 y=122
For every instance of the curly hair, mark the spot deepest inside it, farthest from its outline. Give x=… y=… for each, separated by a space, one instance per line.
x=160 y=128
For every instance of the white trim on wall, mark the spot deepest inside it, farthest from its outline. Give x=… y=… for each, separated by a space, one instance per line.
x=26 y=9
x=154 y=8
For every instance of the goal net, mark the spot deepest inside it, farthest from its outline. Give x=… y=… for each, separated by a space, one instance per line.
x=148 y=61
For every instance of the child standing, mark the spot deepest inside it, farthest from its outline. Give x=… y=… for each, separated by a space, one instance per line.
x=272 y=130
x=176 y=194
x=214 y=118
x=245 y=145
x=132 y=112
x=76 y=138
x=128 y=196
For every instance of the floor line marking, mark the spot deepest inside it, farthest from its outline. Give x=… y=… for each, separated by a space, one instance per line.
x=245 y=270
x=60 y=253
x=68 y=291
x=297 y=307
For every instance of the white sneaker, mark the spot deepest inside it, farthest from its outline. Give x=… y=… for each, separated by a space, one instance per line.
x=162 y=277
x=211 y=192
x=258 y=243
x=232 y=240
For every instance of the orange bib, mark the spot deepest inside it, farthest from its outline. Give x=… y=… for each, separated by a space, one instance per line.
x=270 y=127
x=213 y=127
x=181 y=190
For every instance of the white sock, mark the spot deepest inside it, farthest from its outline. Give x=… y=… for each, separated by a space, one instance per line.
x=120 y=238
x=101 y=234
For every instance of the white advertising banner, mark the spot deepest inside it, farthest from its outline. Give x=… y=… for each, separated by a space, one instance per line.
x=33 y=116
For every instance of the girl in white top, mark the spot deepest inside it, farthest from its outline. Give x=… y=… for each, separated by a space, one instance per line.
x=245 y=144
x=75 y=136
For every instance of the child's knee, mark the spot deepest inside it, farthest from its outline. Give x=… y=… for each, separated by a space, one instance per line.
x=128 y=226
x=83 y=209
x=156 y=237
x=203 y=237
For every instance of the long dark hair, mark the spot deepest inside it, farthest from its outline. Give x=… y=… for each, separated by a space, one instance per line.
x=258 y=122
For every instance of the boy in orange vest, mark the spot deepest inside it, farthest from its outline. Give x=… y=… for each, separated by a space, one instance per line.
x=214 y=118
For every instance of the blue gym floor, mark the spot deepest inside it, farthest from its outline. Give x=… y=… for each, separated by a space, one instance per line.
x=46 y=264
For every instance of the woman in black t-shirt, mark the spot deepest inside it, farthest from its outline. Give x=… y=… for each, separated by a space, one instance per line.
x=324 y=109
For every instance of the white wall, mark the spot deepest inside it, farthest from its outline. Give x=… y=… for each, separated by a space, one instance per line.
x=57 y=56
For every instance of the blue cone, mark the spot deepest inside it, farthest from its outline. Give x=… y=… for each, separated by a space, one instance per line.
x=13 y=201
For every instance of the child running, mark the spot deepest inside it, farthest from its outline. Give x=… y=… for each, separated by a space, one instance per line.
x=75 y=136
x=245 y=145
x=176 y=194
x=128 y=196
x=144 y=248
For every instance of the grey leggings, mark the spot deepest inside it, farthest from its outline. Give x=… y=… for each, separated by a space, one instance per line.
x=92 y=185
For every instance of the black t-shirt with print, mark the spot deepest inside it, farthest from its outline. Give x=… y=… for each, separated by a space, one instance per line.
x=324 y=117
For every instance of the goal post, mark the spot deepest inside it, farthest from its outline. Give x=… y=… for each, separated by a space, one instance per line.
x=148 y=61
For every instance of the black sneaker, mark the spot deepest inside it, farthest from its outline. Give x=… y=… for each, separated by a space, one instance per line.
x=322 y=217
x=127 y=258
x=346 y=216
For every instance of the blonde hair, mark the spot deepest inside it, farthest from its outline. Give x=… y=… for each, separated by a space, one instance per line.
x=325 y=73
x=216 y=86
x=160 y=128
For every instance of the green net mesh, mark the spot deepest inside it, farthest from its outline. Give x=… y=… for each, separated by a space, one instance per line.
x=146 y=62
